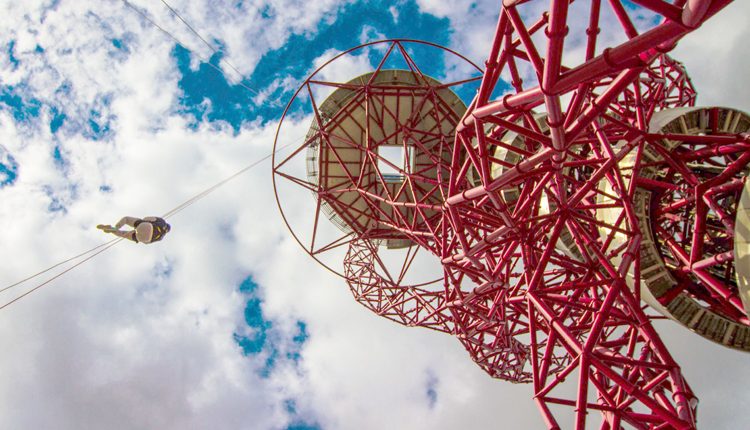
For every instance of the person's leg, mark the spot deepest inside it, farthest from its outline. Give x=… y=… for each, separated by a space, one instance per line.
x=127 y=220
x=129 y=235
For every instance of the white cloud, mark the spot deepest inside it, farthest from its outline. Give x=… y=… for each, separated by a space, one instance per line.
x=247 y=29
x=717 y=58
x=114 y=345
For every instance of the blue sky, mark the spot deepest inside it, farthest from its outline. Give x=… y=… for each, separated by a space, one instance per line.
x=204 y=98
x=234 y=104
x=208 y=97
x=227 y=322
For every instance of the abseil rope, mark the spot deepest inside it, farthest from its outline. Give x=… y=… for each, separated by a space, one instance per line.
x=203 y=58
x=211 y=189
x=210 y=46
x=181 y=206
x=57 y=265
x=107 y=245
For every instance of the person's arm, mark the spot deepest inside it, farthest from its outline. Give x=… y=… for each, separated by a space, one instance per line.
x=129 y=220
x=150 y=218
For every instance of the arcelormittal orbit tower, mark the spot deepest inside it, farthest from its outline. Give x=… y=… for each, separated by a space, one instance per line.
x=579 y=195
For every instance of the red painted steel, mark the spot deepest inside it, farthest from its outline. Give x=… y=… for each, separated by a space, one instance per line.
x=355 y=192
x=693 y=206
x=553 y=272
x=382 y=293
x=530 y=208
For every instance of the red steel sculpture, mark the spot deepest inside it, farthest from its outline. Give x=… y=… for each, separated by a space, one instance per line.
x=580 y=184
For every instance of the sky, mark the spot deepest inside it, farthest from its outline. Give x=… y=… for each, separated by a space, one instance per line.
x=227 y=323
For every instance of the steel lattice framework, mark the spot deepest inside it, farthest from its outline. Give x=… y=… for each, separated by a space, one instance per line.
x=576 y=186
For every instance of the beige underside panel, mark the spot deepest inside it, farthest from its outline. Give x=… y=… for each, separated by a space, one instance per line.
x=742 y=246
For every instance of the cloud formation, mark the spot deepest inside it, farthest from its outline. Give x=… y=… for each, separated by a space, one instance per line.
x=94 y=124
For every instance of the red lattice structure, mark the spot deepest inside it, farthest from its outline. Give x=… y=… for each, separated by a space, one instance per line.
x=410 y=305
x=551 y=234
x=382 y=209
x=690 y=182
x=580 y=183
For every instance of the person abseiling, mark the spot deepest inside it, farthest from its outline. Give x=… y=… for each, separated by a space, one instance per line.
x=147 y=230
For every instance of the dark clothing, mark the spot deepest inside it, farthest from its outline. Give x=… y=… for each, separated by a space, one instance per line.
x=160 y=229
